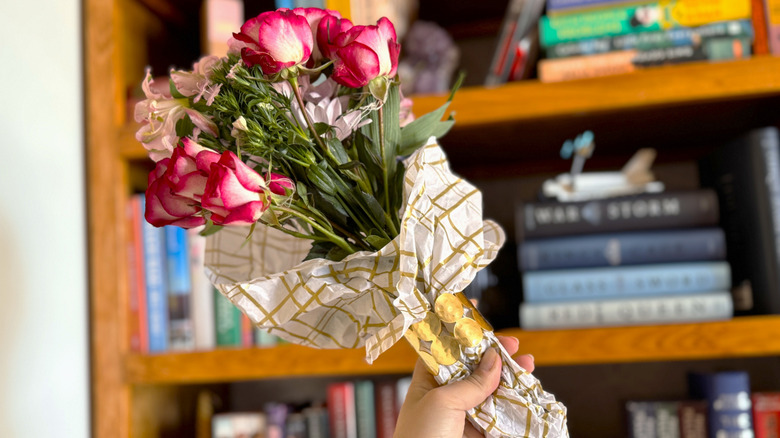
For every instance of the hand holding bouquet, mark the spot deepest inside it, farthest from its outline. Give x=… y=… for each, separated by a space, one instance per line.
x=340 y=223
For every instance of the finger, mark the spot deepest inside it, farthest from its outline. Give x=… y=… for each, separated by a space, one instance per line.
x=422 y=382
x=526 y=361
x=510 y=343
x=474 y=389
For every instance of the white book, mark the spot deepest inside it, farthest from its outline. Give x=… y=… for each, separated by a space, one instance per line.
x=708 y=306
x=202 y=294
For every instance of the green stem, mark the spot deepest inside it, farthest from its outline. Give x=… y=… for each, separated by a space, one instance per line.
x=388 y=216
x=294 y=83
x=339 y=241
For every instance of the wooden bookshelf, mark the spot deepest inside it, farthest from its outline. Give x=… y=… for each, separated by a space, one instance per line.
x=512 y=130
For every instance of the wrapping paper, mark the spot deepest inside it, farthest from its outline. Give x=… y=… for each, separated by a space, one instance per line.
x=410 y=288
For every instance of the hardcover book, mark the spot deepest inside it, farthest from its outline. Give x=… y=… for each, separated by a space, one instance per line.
x=728 y=400
x=620 y=249
x=669 y=279
x=631 y=311
x=695 y=208
x=365 y=409
x=649 y=16
x=180 y=326
x=641 y=419
x=227 y=322
x=341 y=410
x=386 y=409
x=766 y=414
x=138 y=324
x=693 y=418
x=156 y=286
x=745 y=172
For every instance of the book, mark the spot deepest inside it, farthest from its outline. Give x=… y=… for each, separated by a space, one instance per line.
x=316 y=421
x=772 y=11
x=745 y=172
x=667 y=419
x=560 y=7
x=641 y=419
x=648 y=16
x=620 y=249
x=693 y=418
x=276 y=414
x=684 y=36
x=628 y=61
x=709 y=306
x=766 y=414
x=625 y=281
x=727 y=393
x=341 y=410
x=516 y=41
x=202 y=293
x=758 y=20
x=227 y=322
x=683 y=209
x=365 y=409
x=155 y=285
x=295 y=426
x=238 y=424
x=138 y=329
x=386 y=409
x=180 y=328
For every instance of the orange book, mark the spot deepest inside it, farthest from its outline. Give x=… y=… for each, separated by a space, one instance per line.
x=581 y=67
x=137 y=321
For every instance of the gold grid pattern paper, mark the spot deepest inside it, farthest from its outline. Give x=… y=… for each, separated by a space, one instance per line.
x=371 y=299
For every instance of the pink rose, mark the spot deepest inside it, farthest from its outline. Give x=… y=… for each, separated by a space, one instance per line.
x=176 y=186
x=314 y=16
x=276 y=40
x=280 y=185
x=328 y=31
x=235 y=194
x=365 y=53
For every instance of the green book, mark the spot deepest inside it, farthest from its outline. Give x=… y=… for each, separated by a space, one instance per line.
x=645 y=17
x=227 y=321
x=365 y=412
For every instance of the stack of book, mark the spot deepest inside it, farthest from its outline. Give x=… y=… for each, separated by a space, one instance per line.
x=645 y=259
x=173 y=306
x=590 y=38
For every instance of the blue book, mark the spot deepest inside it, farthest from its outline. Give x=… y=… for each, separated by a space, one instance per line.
x=289 y=4
x=618 y=249
x=727 y=393
x=180 y=327
x=625 y=281
x=156 y=285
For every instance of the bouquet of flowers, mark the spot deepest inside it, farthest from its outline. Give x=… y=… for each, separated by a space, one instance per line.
x=332 y=215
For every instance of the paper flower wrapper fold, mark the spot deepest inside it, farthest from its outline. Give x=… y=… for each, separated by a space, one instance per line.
x=410 y=288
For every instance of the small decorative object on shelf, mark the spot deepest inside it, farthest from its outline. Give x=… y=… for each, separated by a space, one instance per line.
x=333 y=218
x=634 y=178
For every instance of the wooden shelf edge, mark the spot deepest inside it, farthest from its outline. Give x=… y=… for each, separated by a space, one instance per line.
x=739 y=337
x=691 y=83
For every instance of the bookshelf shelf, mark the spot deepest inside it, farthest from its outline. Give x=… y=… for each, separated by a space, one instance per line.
x=740 y=337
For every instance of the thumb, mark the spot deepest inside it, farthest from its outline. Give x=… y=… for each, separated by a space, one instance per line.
x=474 y=389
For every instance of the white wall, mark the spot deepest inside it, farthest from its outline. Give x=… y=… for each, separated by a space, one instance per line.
x=43 y=301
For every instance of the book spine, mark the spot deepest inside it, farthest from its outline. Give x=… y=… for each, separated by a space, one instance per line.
x=696 y=208
x=746 y=174
x=296 y=426
x=651 y=16
x=277 y=414
x=180 y=328
x=683 y=36
x=641 y=419
x=386 y=410
x=341 y=410
x=620 y=249
x=138 y=323
x=316 y=421
x=766 y=414
x=728 y=400
x=365 y=409
x=773 y=25
x=227 y=322
x=693 y=418
x=758 y=20
x=202 y=293
x=625 y=281
x=575 y=6
x=667 y=420
x=583 y=67
x=634 y=311
x=156 y=293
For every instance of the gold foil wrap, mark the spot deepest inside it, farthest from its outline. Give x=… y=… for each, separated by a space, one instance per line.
x=373 y=299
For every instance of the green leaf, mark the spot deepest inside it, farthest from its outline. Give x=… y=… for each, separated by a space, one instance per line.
x=184 y=127
x=352 y=165
x=374 y=207
x=174 y=92
x=392 y=127
x=378 y=88
x=377 y=242
x=419 y=131
x=331 y=208
x=303 y=193
x=319 y=177
x=337 y=150
x=321 y=128
x=319 y=250
x=336 y=254
x=210 y=229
